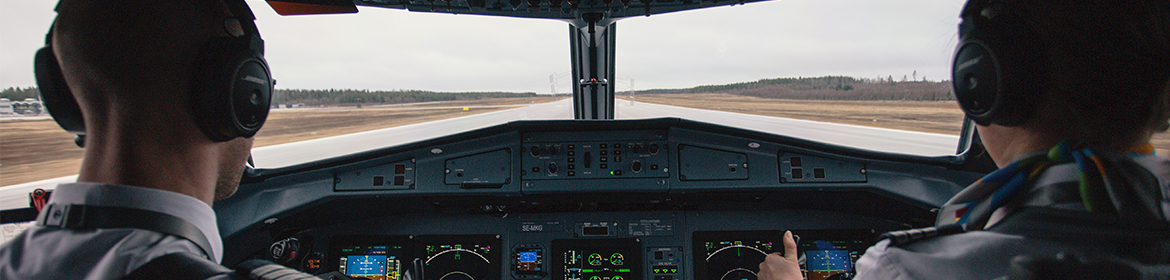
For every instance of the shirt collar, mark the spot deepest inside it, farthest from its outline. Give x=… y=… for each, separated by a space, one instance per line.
x=179 y=205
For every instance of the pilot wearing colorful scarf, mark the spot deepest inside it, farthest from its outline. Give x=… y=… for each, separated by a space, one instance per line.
x=1066 y=96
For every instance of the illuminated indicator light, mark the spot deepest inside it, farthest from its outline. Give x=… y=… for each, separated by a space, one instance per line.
x=586 y=271
x=623 y=270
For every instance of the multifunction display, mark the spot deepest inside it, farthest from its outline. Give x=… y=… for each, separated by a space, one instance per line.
x=597 y=259
x=460 y=257
x=736 y=255
x=435 y=257
x=375 y=258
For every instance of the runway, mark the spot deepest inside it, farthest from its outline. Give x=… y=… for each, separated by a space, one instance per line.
x=888 y=140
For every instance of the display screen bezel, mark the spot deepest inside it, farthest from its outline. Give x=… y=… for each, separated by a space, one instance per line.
x=865 y=236
x=631 y=249
x=495 y=257
x=336 y=245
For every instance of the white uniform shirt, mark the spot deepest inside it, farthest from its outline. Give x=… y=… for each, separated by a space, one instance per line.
x=986 y=254
x=55 y=253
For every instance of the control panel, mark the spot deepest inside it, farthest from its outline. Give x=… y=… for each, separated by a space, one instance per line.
x=394 y=176
x=584 y=160
x=801 y=168
x=640 y=154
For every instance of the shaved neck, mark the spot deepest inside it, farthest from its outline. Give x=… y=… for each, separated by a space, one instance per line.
x=131 y=70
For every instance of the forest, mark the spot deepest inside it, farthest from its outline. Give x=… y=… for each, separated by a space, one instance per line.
x=804 y=88
x=315 y=97
x=828 y=88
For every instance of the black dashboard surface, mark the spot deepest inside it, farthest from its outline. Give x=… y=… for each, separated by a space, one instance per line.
x=658 y=199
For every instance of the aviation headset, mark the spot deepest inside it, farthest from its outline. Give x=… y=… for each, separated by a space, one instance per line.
x=232 y=84
x=995 y=71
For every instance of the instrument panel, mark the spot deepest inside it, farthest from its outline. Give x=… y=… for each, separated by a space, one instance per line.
x=720 y=255
x=628 y=246
x=660 y=199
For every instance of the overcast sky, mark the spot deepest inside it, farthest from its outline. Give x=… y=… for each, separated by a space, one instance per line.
x=385 y=49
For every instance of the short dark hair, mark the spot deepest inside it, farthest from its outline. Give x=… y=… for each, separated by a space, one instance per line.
x=1108 y=68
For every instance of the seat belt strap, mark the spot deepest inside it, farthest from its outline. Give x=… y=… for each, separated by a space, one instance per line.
x=77 y=216
x=181 y=266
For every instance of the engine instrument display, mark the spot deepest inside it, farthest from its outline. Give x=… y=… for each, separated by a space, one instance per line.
x=597 y=259
x=736 y=255
x=375 y=258
x=460 y=257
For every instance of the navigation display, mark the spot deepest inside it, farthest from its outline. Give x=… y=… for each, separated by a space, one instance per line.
x=372 y=258
x=597 y=259
x=736 y=255
x=460 y=257
x=825 y=253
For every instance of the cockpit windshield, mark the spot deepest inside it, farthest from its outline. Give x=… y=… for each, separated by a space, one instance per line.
x=859 y=74
x=852 y=73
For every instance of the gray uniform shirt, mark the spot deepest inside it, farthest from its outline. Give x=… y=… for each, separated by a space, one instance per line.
x=54 y=253
x=986 y=254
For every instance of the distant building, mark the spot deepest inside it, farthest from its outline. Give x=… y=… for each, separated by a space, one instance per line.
x=30 y=106
x=6 y=107
x=293 y=105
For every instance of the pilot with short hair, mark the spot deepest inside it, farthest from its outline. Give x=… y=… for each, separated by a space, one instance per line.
x=1082 y=86
x=134 y=68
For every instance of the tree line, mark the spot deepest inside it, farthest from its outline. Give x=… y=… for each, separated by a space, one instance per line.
x=19 y=94
x=811 y=88
x=330 y=96
x=314 y=97
x=828 y=88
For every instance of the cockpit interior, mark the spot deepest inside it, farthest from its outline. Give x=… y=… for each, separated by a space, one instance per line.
x=589 y=198
x=605 y=199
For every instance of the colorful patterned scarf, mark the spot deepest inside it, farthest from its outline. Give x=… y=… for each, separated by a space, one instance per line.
x=972 y=207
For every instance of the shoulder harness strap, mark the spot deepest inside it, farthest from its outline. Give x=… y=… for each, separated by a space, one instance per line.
x=903 y=237
x=76 y=216
x=182 y=266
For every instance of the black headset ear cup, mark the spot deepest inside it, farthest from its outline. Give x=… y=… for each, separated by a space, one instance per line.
x=994 y=73
x=55 y=93
x=233 y=89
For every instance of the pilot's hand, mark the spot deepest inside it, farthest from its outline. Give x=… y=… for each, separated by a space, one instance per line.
x=786 y=267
